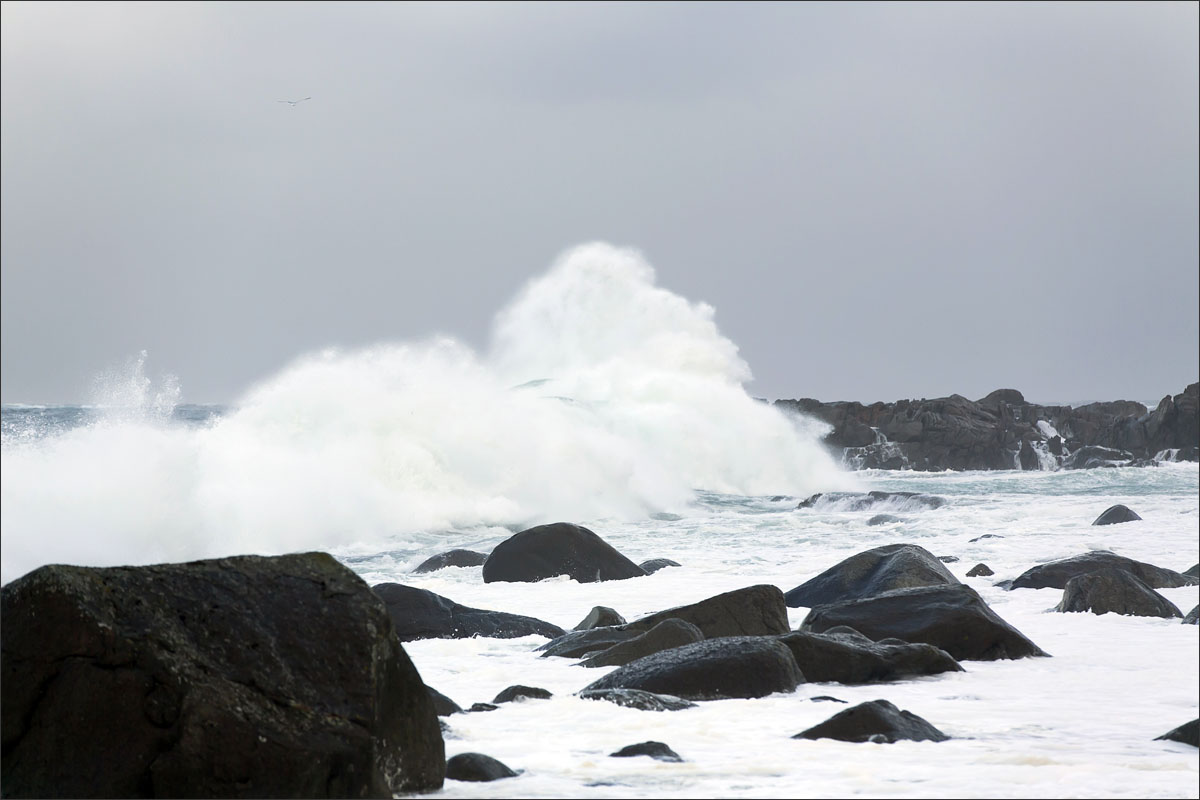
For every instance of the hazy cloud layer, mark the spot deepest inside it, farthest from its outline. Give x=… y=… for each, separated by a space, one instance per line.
x=880 y=201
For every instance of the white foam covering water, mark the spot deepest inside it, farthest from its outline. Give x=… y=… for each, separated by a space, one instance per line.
x=602 y=396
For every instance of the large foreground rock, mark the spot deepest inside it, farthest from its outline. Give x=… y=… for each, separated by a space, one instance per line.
x=1115 y=591
x=560 y=548
x=877 y=721
x=849 y=657
x=248 y=677
x=738 y=666
x=422 y=614
x=954 y=618
x=1056 y=573
x=753 y=611
x=892 y=566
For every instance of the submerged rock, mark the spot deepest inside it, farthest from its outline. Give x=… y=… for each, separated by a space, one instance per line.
x=861 y=501
x=1114 y=515
x=1115 y=591
x=636 y=698
x=421 y=614
x=1187 y=733
x=954 y=618
x=653 y=565
x=477 y=767
x=979 y=570
x=656 y=750
x=738 y=666
x=892 y=566
x=877 y=721
x=245 y=676
x=519 y=692
x=1056 y=573
x=560 y=548
x=451 y=558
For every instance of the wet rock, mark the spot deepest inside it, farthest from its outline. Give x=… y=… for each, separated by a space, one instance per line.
x=862 y=501
x=824 y=698
x=1056 y=573
x=663 y=636
x=979 y=570
x=519 y=692
x=443 y=705
x=752 y=611
x=852 y=658
x=421 y=614
x=600 y=617
x=477 y=707
x=636 y=698
x=948 y=559
x=560 y=548
x=1116 y=514
x=1193 y=572
x=882 y=519
x=738 y=666
x=1115 y=591
x=986 y=536
x=246 y=676
x=1187 y=733
x=578 y=644
x=877 y=721
x=954 y=618
x=477 y=767
x=893 y=566
x=1192 y=617
x=653 y=565
x=656 y=750
x=451 y=558
x=1094 y=457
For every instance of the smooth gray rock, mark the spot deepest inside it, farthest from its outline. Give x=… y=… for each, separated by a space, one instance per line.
x=421 y=614
x=979 y=570
x=753 y=611
x=451 y=558
x=877 y=721
x=881 y=569
x=443 y=705
x=738 y=666
x=636 y=698
x=599 y=617
x=954 y=618
x=560 y=548
x=1056 y=573
x=519 y=692
x=477 y=767
x=652 y=565
x=1192 y=617
x=243 y=676
x=656 y=750
x=1114 y=515
x=852 y=658
x=578 y=644
x=1115 y=591
x=663 y=636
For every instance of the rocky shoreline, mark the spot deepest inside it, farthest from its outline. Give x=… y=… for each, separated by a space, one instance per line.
x=1003 y=431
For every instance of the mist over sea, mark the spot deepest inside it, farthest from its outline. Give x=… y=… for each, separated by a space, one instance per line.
x=608 y=401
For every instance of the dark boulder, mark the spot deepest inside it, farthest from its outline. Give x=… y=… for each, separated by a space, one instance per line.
x=443 y=705
x=451 y=558
x=893 y=566
x=519 y=692
x=853 y=658
x=738 y=666
x=954 y=618
x=824 y=698
x=1192 y=617
x=752 y=611
x=948 y=559
x=979 y=570
x=421 y=614
x=1187 y=733
x=877 y=721
x=653 y=565
x=476 y=707
x=577 y=644
x=663 y=636
x=1115 y=591
x=636 y=698
x=1192 y=572
x=561 y=548
x=656 y=750
x=600 y=617
x=477 y=767
x=1116 y=514
x=1055 y=574
x=246 y=676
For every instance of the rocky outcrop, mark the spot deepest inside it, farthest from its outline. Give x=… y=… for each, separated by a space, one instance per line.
x=422 y=614
x=1056 y=573
x=877 y=721
x=561 y=548
x=739 y=666
x=1004 y=431
x=954 y=618
x=1115 y=591
x=892 y=566
x=247 y=676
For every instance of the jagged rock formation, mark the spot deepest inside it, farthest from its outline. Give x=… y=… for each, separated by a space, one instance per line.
x=1003 y=431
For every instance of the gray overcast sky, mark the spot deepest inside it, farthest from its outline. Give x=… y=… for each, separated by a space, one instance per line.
x=880 y=201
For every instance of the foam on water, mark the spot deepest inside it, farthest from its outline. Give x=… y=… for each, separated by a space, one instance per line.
x=602 y=396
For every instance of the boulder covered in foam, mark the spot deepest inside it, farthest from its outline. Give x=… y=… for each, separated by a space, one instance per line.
x=560 y=548
x=246 y=676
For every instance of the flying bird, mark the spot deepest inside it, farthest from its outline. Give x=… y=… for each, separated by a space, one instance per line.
x=293 y=103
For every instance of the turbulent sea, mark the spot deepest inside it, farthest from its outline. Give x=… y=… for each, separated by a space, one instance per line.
x=612 y=403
